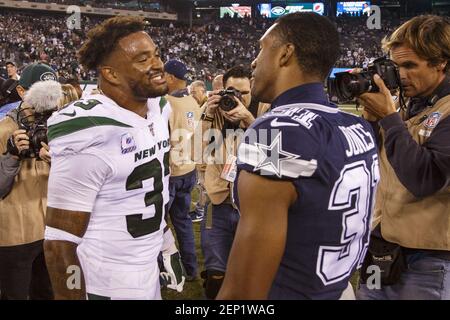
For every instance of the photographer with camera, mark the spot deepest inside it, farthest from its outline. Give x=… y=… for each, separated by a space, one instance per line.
x=24 y=170
x=410 y=242
x=202 y=204
x=225 y=110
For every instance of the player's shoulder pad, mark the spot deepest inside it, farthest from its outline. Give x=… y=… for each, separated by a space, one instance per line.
x=81 y=124
x=284 y=143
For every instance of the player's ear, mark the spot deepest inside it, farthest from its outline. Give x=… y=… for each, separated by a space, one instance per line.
x=287 y=53
x=109 y=74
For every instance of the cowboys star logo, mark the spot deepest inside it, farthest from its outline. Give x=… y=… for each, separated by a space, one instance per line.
x=273 y=156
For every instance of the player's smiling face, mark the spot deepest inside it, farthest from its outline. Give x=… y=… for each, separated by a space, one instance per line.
x=144 y=70
x=264 y=67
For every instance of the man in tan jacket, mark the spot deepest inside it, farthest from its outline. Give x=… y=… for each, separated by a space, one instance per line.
x=412 y=210
x=218 y=229
x=201 y=206
x=23 y=199
x=184 y=116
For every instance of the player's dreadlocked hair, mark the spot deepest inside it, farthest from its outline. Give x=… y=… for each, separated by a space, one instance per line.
x=103 y=38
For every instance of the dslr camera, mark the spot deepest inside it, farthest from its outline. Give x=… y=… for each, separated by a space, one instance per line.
x=227 y=101
x=37 y=133
x=345 y=86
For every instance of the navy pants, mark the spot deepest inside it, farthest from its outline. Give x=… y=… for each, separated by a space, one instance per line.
x=218 y=235
x=426 y=278
x=179 y=206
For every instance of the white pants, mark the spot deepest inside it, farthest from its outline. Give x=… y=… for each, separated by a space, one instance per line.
x=121 y=285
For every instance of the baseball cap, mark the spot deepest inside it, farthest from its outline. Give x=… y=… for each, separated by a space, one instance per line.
x=176 y=68
x=36 y=72
x=10 y=62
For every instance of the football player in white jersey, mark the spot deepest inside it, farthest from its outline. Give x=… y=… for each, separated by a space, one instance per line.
x=108 y=185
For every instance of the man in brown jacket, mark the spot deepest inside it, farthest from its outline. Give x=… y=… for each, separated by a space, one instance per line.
x=185 y=115
x=412 y=210
x=218 y=229
x=23 y=201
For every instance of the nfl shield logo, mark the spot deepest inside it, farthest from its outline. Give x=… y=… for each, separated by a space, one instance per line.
x=127 y=143
x=432 y=120
x=190 y=119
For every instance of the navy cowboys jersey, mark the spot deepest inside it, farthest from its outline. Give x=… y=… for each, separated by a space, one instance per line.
x=331 y=158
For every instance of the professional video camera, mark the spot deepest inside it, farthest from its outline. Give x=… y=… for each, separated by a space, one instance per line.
x=227 y=101
x=346 y=86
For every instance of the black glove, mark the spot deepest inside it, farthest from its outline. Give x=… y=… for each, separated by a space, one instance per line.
x=11 y=147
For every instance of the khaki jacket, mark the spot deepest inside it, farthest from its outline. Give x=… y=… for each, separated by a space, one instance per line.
x=22 y=211
x=411 y=222
x=218 y=189
x=185 y=116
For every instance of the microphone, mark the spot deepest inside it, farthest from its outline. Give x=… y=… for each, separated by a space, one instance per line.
x=44 y=96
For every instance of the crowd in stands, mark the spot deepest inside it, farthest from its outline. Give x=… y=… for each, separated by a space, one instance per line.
x=359 y=44
x=150 y=6
x=207 y=50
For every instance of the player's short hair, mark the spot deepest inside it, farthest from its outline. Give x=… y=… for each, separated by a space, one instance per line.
x=315 y=38
x=235 y=72
x=102 y=39
x=427 y=35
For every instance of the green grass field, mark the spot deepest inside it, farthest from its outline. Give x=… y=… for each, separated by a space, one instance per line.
x=194 y=290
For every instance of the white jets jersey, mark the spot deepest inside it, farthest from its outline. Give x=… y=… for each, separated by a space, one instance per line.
x=127 y=217
x=164 y=107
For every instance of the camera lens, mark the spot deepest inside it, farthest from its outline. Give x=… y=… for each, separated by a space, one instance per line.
x=227 y=103
x=346 y=86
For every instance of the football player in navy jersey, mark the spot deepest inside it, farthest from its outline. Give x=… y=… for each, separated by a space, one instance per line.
x=307 y=174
